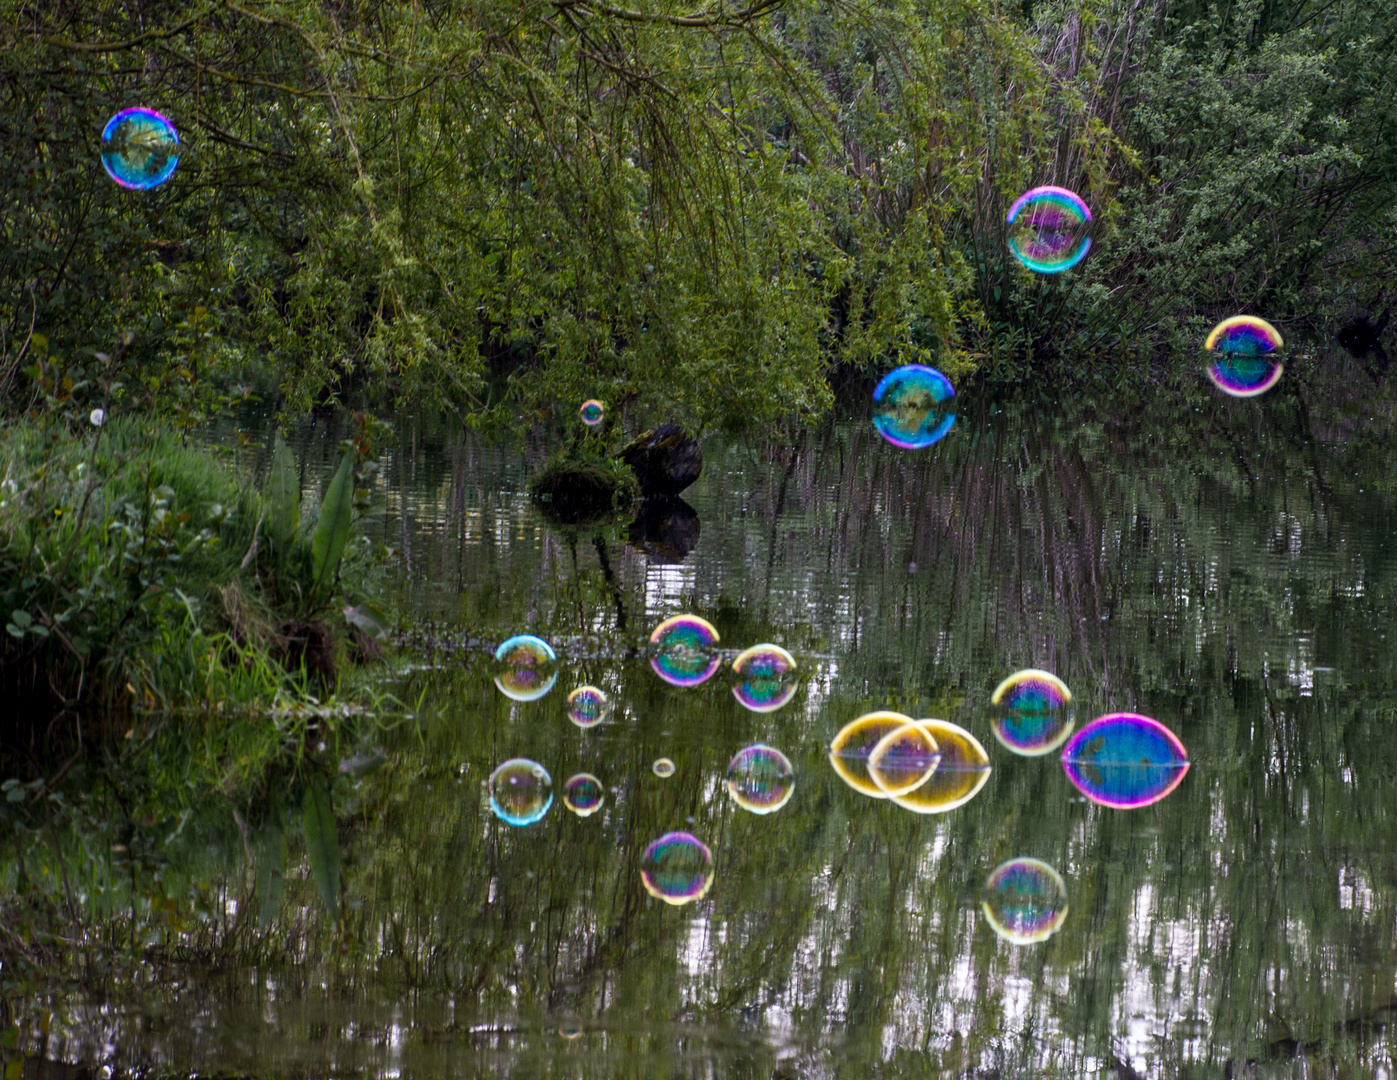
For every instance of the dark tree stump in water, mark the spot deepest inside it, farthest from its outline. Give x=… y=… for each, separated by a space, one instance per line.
x=1361 y=338
x=665 y=460
x=666 y=530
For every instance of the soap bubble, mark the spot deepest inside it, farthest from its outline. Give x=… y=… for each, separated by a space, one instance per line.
x=588 y=706
x=663 y=768
x=521 y=791
x=583 y=794
x=592 y=412
x=1032 y=712
x=677 y=868
x=1125 y=760
x=963 y=770
x=914 y=406
x=570 y=1030
x=526 y=667
x=1244 y=356
x=850 y=749
x=765 y=678
x=97 y=417
x=140 y=149
x=1047 y=229
x=1025 y=901
x=903 y=760
x=686 y=651
x=761 y=779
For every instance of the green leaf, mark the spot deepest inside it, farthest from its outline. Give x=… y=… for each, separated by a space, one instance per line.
x=332 y=528
x=370 y=620
x=271 y=872
x=283 y=495
x=322 y=846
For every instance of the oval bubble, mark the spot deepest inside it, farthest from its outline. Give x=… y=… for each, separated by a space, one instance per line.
x=526 y=667
x=592 y=412
x=583 y=794
x=963 y=770
x=677 y=868
x=914 y=406
x=903 y=760
x=850 y=749
x=1025 y=901
x=521 y=791
x=1244 y=356
x=765 y=678
x=1125 y=761
x=1047 y=229
x=140 y=149
x=570 y=1030
x=761 y=779
x=663 y=768
x=1032 y=712
x=588 y=706
x=686 y=652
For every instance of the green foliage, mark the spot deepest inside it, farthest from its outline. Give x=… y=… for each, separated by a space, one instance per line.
x=322 y=845
x=283 y=498
x=332 y=526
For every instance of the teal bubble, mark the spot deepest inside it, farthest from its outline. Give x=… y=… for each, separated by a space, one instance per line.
x=526 y=667
x=1048 y=229
x=1032 y=712
x=761 y=779
x=765 y=678
x=685 y=650
x=592 y=412
x=583 y=794
x=521 y=791
x=677 y=868
x=140 y=149
x=1125 y=761
x=914 y=406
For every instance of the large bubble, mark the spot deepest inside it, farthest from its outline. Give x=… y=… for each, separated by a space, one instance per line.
x=521 y=791
x=904 y=760
x=962 y=771
x=1032 y=712
x=914 y=406
x=1244 y=356
x=1025 y=901
x=588 y=706
x=677 y=868
x=761 y=779
x=526 y=667
x=583 y=794
x=765 y=678
x=850 y=749
x=592 y=412
x=1047 y=229
x=686 y=651
x=1125 y=761
x=140 y=149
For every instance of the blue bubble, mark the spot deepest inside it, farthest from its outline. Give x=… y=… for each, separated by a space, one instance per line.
x=914 y=406
x=140 y=149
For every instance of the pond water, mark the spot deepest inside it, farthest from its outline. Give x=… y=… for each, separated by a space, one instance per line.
x=1223 y=566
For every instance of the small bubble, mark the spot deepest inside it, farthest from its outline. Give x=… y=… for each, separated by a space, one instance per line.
x=1032 y=712
x=1244 y=356
x=1025 y=901
x=1047 y=229
x=526 y=667
x=686 y=652
x=583 y=794
x=588 y=706
x=140 y=149
x=761 y=779
x=663 y=768
x=765 y=678
x=914 y=406
x=677 y=868
x=521 y=791
x=592 y=412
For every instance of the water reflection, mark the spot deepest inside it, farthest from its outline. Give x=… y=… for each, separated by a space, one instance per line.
x=666 y=529
x=1025 y=900
x=1125 y=761
x=526 y=667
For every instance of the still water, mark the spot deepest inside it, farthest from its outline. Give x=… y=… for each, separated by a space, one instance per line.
x=1222 y=566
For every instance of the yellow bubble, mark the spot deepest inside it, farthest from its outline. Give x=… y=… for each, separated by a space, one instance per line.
x=849 y=751
x=963 y=770
x=903 y=760
x=663 y=768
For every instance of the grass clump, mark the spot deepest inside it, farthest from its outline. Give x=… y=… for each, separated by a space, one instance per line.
x=578 y=488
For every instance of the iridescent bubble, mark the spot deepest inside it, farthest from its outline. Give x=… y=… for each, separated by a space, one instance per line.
x=1244 y=356
x=963 y=770
x=850 y=749
x=663 y=768
x=914 y=406
x=526 y=667
x=1125 y=760
x=686 y=651
x=592 y=412
x=766 y=678
x=1025 y=901
x=583 y=794
x=761 y=779
x=521 y=791
x=140 y=149
x=1032 y=712
x=570 y=1030
x=1047 y=229
x=904 y=760
x=677 y=868
x=588 y=706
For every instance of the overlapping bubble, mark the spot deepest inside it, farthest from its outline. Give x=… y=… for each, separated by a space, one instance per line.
x=914 y=406
x=1125 y=761
x=1025 y=900
x=521 y=791
x=526 y=667
x=588 y=706
x=1048 y=229
x=903 y=760
x=1244 y=356
x=592 y=412
x=677 y=868
x=583 y=794
x=761 y=779
x=140 y=149
x=765 y=678
x=1032 y=712
x=685 y=650
x=663 y=768
x=850 y=749
x=962 y=770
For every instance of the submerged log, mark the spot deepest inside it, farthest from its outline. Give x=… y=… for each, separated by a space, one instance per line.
x=665 y=460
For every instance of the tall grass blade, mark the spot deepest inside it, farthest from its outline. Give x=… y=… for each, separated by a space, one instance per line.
x=322 y=845
x=332 y=528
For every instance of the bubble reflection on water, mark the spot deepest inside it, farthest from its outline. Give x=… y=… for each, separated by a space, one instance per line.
x=765 y=678
x=849 y=750
x=963 y=770
x=1244 y=356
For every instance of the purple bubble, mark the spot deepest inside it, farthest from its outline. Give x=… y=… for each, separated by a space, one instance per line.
x=1125 y=761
